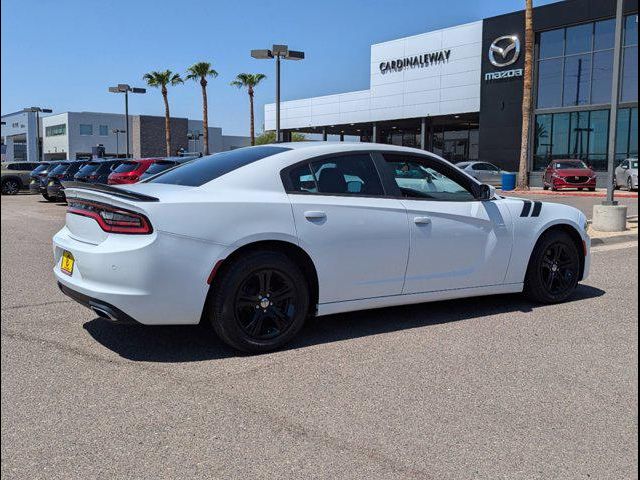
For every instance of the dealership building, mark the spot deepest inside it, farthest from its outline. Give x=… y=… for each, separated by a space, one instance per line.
x=458 y=91
x=74 y=135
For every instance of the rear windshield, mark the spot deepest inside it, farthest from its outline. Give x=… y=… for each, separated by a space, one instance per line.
x=159 y=166
x=40 y=168
x=60 y=168
x=88 y=168
x=126 y=167
x=204 y=169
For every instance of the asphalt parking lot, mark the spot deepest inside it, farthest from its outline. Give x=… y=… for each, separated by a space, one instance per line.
x=482 y=388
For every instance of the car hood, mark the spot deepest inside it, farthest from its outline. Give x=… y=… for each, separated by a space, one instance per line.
x=574 y=172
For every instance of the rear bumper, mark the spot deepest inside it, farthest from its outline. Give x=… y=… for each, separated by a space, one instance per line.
x=156 y=279
x=99 y=307
x=34 y=187
x=55 y=191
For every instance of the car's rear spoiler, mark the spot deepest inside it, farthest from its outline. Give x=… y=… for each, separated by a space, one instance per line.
x=116 y=192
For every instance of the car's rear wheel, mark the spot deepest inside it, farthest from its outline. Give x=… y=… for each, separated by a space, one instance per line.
x=10 y=186
x=259 y=302
x=630 y=184
x=48 y=198
x=554 y=269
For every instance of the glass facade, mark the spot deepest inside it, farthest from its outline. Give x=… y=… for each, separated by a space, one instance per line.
x=629 y=83
x=575 y=65
x=583 y=135
x=575 y=69
x=55 y=130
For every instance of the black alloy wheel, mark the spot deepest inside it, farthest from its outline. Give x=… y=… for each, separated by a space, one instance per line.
x=259 y=301
x=10 y=186
x=558 y=268
x=554 y=268
x=265 y=304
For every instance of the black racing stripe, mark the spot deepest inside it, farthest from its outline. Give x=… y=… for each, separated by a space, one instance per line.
x=526 y=208
x=537 y=207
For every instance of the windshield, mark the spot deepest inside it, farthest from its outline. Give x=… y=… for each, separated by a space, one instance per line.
x=126 y=167
x=60 y=168
x=564 y=165
x=88 y=169
x=40 y=168
x=204 y=169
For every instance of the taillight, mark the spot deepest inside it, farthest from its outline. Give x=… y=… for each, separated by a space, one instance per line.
x=111 y=219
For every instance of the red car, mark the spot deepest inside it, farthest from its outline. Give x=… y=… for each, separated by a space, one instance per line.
x=562 y=174
x=130 y=171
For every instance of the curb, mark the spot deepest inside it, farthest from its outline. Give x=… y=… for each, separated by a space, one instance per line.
x=596 y=242
x=618 y=194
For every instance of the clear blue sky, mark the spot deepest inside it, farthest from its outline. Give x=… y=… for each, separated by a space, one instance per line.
x=63 y=54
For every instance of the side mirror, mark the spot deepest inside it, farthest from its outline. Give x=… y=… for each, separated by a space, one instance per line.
x=487 y=192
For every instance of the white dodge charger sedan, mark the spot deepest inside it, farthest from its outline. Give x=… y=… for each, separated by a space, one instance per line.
x=255 y=240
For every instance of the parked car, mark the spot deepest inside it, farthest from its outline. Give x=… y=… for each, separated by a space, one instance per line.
x=96 y=171
x=38 y=183
x=129 y=171
x=164 y=164
x=626 y=174
x=242 y=241
x=484 y=172
x=563 y=174
x=15 y=176
x=64 y=171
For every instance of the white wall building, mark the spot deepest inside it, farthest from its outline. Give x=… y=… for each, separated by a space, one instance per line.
x=427 y=75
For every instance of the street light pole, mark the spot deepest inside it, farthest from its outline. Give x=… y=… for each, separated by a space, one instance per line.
x=613 y=115
x=278 y=137
x=124 y=88
x=278 y=52
x=117 y=131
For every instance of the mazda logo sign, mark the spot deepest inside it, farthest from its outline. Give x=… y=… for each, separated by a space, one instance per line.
x=504 y=51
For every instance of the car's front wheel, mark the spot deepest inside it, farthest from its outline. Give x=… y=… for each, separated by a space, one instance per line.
x=554 y=268
x=259 y=302
x=10 y=186
x=630 y=184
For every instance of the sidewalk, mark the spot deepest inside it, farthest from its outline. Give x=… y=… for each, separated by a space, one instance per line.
x=609 y=238
x=599 y=193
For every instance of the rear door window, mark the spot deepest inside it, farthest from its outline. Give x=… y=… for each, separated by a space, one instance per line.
x=205 y=169
x=353 y=174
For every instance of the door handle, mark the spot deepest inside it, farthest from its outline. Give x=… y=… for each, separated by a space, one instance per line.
x=422 y=220
x=314 y=215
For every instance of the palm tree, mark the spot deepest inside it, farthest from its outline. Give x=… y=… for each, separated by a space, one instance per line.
x=161 y=80
x=523 y=181
x=199 y=72
x=250 y=81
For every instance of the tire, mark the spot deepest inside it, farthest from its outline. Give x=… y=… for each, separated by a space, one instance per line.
x=545 y=187
x=615 y=183
x=580 y=189
x=242 y=309
x=592 y=189
x=554 y=269
x=48 y=198
x=11 y=186
x=630 y=184
x=554 y=189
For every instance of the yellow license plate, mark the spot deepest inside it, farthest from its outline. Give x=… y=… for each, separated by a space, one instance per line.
x=67 y=263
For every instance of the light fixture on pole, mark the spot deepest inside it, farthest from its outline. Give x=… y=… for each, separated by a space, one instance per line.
x=124 y=88
x=37 y=111
x=117 y=132
x=278 y=52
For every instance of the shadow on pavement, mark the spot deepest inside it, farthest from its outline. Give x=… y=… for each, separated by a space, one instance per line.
x=199 y=343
